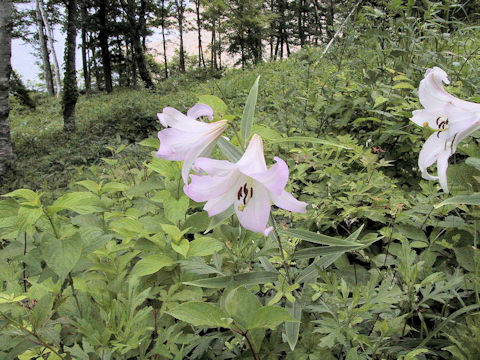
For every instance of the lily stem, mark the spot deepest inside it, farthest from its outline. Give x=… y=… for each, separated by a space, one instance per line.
x=280 y=247
x=237 y=135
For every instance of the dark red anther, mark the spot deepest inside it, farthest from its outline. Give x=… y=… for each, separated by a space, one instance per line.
x=245 y=190
x=251 y=192
x=239 y=194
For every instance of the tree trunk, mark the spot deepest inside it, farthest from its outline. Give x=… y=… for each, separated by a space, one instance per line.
x=86 y=72
x=6 y=153
x=70 y=93
x=47 y=68
x=129 y=8
x=180 y=10
x=301 y=33
x=213 y=45
x=201 y=60
x=143 y=23
x=104 y=46
x=219 y=45
x=164 y=41
x=58 y=81
x=330 y=17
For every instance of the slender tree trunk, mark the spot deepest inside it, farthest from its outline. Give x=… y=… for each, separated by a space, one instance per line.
x=6 y=153
x=143 y=23
x=214 y=46
x=301 y=33
x=201 y=60
x=219 y=44
x=47 y=68
x=330 y=17
x=104 y=45
x=129 y=8
x=133 y=63
x=165 y=61
x=70 y=93
x=86 y=72
x=180 y=17
x=58 y=80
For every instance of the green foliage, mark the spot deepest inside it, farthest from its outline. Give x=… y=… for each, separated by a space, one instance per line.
x=116 y=263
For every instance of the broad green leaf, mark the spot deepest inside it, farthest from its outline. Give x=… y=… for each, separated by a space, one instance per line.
x=475 y=162
x=292 y=328
x=251 y=278
x=217 y=104
x=42 y=311
x=79 y=202
x=241 y=305
x=403 y=85
x=153 y=143
x=201 y=314
x=231 y=152
x=27 y=217
x=62 y=255
x=163 y=167
x=473 y=199
x=113 y=187
x=181 y=247
x=175 y=210
x=305 y=139
x=266 y=132
x=270 y=317
x=89 y=185
x=248 y=113
x=175 y=233
x=151 y=264
x=204 y=246
x=25 y=194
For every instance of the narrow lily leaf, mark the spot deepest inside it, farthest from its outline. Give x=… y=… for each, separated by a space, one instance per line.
x=317 y=238
x=302 y=139
x=251 y=278
x=153 y=143
x=324 y=250
x=292 y=329
x=220 y=219
x=473 y=199
x=249 y=112
x=231 y=152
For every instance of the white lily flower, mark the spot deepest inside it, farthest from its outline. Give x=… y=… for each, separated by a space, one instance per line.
x=186 y=138
x=452 y=118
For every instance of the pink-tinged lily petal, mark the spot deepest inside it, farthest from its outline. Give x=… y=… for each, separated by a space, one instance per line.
x=253 y=160
x=287 y=202
x=161 y=118
x=200 y=110
x=175 y=119
x=433 y=147
x=275 y=179
x=203 y=149
x=175 y=144
x=254 y=215
x=442 y=166
x=214 y=167
x=205 y=187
